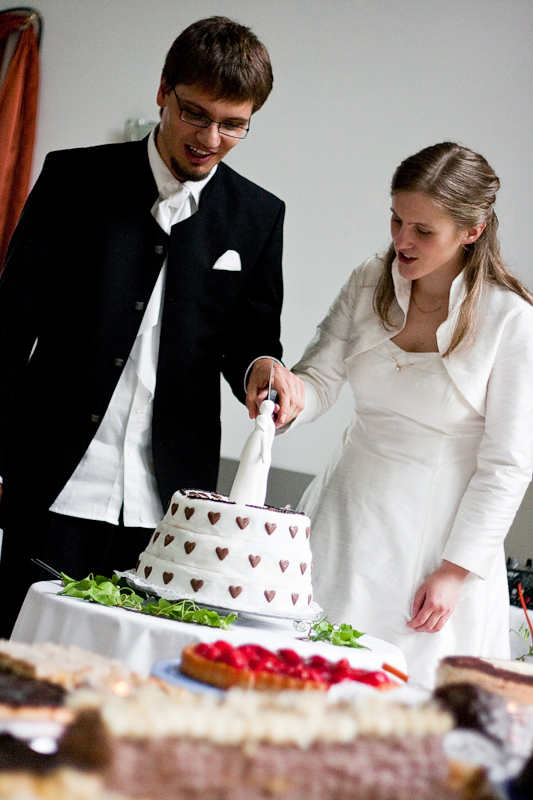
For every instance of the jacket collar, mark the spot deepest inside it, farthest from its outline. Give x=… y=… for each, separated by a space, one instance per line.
x=403 y=286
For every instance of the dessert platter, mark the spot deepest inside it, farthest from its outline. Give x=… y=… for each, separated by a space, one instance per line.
x=124 y=735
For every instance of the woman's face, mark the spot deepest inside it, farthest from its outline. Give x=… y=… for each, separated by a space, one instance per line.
x=425 y=237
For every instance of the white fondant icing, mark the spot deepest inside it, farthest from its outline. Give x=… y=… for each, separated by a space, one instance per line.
x=218 y=544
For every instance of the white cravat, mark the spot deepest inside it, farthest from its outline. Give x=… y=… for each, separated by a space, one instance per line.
x=168 y=208
x=117 y=468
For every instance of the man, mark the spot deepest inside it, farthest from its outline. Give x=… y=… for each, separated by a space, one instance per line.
x=137 y=274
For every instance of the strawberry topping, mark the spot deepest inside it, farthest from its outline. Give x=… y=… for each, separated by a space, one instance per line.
x=287 y=662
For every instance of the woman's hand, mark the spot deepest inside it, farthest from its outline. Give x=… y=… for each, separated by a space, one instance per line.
x=290 y=389
x=437 y=598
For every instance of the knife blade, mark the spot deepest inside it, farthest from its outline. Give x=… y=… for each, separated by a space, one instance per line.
x=272 y=394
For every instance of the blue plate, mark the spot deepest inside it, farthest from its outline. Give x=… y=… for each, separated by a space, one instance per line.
x=169 y=671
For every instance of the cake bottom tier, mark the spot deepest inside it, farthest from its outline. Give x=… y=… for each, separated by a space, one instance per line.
x=205 y=587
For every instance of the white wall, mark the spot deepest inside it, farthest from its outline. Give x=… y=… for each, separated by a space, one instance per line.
x=359 y=85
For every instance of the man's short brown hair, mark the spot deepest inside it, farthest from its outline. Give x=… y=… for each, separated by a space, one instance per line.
x=225 y=58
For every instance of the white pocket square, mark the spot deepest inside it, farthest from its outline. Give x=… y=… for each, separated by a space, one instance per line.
x=229 y=260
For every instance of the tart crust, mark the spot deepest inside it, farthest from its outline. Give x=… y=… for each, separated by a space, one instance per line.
x=217 y=673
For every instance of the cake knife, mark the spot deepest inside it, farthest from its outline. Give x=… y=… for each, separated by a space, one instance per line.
x=272 y=394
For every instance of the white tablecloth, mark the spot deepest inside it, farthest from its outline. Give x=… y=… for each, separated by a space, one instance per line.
x=139 y=640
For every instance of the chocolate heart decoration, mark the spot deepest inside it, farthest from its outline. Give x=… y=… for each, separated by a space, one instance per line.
x=189 y=547
x=242 y=522
x=283 y=565
x=309 y=598
x=137 y=565
x=307 y=533
x=167 y=576
x=303 y=567
x=189 y=512
x=270 y=527
x=235 y=591
x=174 y=508
x=222 y=552
x=293 y=530
x=214 y=517
x=270 y=594
x=168 y=539
x=196 y=584
x=147 y=571
x=294 y=598
x=156 y=536
x=254 y=560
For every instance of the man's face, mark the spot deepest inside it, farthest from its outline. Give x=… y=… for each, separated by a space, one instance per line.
x=191 y=152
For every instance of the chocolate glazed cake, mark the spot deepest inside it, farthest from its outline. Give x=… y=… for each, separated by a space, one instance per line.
x=510 y=679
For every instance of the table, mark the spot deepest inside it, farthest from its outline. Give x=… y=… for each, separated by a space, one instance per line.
x=139 y=640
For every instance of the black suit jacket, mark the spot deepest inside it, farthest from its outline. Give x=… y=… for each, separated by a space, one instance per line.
x=81 y=268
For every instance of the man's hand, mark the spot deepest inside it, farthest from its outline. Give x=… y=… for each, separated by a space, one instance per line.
x=437 y=598
x=290 y=389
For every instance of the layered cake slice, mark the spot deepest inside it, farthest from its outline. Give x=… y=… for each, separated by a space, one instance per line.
x=71 y=667
x=29 y=698
x=511 y=679
x=254 y=745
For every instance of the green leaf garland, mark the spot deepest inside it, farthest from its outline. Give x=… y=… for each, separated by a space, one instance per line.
x=115 y=592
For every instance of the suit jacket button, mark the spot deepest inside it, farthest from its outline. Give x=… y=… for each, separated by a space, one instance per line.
x=159 y=249
x=119 y=362
x=95 y=417
x=139 y=305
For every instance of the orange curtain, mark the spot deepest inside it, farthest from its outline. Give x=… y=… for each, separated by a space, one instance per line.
x=18 y=115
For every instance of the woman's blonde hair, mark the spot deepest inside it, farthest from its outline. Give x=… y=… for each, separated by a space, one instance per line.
x=464 y=185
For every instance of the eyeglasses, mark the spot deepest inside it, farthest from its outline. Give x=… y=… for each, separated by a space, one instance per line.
x=203 y=121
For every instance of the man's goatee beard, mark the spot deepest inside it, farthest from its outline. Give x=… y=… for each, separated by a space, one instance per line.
x=184 y=174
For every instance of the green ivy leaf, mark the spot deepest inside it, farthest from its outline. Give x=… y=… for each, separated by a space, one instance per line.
x=342 y=635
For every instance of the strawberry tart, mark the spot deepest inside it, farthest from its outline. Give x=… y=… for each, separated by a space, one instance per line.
x=251 y=666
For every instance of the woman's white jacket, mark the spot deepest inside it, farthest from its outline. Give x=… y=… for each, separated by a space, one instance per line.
x=493 y=371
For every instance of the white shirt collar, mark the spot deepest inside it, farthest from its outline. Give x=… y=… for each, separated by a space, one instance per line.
x=163 y=176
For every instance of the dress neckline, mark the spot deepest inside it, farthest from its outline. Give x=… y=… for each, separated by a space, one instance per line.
x=413 y=352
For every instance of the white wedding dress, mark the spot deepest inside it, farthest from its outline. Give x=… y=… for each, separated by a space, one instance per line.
x=384 y=507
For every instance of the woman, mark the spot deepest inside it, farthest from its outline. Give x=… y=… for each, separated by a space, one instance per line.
x=436 y=341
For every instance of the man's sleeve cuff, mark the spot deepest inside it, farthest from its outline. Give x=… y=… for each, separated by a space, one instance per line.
x=247 y=373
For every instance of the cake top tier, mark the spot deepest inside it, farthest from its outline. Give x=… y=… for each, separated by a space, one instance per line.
x=207 y=512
